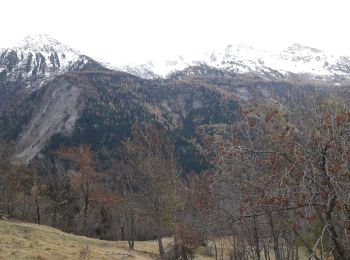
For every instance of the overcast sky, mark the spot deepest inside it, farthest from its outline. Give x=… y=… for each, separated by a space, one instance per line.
x=125 y=30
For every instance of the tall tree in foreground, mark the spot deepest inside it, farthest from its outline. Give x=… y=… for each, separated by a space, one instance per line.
x=151 y=153
x=86 y=180
x=124 y=179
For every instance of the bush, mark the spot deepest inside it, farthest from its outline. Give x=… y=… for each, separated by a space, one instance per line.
x=186 y=244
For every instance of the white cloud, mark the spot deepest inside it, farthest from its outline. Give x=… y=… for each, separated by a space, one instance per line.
x=121 y=30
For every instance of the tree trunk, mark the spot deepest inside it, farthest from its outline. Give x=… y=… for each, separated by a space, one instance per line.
x=216 y=250
x=54 y=215
x=122 y=231
x=129 y=216
x=85 y=210
x=256 y=239
x=23 y=207
x=176 y=245
x=338 y=252
x=275 y=239
x=160 y=245
x=266 y=250
x=38 y=218
x=131 y=244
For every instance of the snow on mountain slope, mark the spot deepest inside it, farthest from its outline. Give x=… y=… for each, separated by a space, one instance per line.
x=296 y=59
x=302 y=59
x=40 y=57
x=46 y=46
x=36 y=58
x=153 y=68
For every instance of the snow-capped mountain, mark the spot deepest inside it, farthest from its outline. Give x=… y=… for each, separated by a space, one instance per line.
x=309 y=63
x=296 y=59
x=151 y=69
x=37 y=58
x=40 y=57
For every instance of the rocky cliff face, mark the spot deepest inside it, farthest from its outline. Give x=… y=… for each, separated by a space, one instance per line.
x=56 y=112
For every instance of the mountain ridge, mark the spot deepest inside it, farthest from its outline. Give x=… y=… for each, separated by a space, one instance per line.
x=41 y=57
x=243 y=59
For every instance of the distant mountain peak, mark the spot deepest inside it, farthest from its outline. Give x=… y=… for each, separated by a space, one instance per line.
x=310 y=63
x=39 y=40
x=43 y=43
x=297 y=47
x=37 y=58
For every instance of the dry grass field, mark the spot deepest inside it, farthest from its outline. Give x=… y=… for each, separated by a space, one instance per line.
x=20 y=240
x=29 y=241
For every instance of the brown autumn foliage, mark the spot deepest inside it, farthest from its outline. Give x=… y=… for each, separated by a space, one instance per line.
x=290 y=170
x=87 y=181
